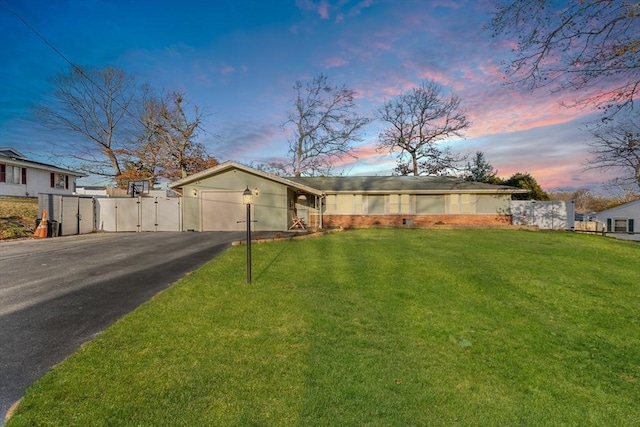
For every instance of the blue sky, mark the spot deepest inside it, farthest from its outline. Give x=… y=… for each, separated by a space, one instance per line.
x=239 y=61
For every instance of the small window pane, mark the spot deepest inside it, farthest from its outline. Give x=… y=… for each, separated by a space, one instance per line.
x=620 y=225
x=429 y=204
x=9 y=174
x=376 y=204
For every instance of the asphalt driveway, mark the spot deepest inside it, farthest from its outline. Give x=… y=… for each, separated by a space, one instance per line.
x=56 y=294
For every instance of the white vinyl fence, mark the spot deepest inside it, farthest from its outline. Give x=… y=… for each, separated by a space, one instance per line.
x=139 y=214
x=556 y=215
x=69 y=215
x=85 y=214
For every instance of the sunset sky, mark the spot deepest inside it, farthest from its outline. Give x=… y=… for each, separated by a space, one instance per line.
x=240 y=59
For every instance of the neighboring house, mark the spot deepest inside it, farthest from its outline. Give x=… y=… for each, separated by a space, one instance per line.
x=92 y=191
x=212 y=200
x=21 y=177
x=621 y=219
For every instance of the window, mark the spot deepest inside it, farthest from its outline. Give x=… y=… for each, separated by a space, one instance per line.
x=13 y=174
x=430 y=204
x=375 y=204
x=620 y=225
x=399 y=203
x=9 y=175
x=59 y=180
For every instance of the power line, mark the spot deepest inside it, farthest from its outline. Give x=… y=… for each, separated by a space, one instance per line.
x=40 y=36
x=77 y=68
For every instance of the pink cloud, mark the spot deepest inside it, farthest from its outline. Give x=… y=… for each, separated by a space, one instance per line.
x=227 y=69
x=322 y=8
x=334 y=62
x=359 y=7
x=380 y=45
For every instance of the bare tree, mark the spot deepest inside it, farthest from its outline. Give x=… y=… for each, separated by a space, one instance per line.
x=616 y=146
x=586 y=201
x=433 y=161
x=94 y=104
x=575 y=45
x=324 y=125
x=168 y=144
x=418 y=120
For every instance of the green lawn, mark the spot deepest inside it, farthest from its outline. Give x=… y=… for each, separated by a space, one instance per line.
x=376 y=328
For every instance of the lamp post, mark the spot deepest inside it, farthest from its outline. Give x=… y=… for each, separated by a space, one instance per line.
x=247 y=199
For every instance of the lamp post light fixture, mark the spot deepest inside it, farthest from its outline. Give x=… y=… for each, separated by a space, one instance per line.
x=247 y=199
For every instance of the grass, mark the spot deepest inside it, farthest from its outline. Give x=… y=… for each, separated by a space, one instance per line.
x=17 y=216
x=376 y=328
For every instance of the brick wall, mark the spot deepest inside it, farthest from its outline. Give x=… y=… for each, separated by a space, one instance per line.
x=364 y=221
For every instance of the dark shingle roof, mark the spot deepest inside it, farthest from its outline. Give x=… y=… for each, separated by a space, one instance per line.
x=13 y=154
x=401 y=184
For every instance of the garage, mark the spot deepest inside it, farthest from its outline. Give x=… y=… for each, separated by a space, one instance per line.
x=222 y=211
x=212 y=200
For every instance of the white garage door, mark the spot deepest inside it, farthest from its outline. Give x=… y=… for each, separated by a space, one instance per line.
x=221 y=211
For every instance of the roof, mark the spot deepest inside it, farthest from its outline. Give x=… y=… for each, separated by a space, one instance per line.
x=11 y=154
x=233 y=165
x=621 y=207
x=402 y=184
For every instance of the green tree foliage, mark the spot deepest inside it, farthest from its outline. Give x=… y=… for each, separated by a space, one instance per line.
x=527 y=182
x=480 y=170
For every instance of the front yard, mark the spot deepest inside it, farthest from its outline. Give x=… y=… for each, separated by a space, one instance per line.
x=372 y=327
x=17 y=216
